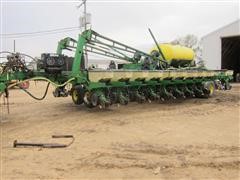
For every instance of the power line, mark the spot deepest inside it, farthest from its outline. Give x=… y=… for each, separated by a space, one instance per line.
x=40 y=32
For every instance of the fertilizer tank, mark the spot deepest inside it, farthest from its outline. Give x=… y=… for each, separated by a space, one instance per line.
x=176 y=55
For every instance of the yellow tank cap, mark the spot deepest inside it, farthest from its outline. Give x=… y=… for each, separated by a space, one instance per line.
x=175 y=52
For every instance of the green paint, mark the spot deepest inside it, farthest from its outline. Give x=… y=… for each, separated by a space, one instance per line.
x=80 y=76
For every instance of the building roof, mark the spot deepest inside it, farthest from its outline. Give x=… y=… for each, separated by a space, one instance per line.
x=223 y=27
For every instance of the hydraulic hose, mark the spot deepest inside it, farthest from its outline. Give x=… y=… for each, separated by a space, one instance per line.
x=37 y=79
x=23 y=54
x=34 y=97
x=43 y=79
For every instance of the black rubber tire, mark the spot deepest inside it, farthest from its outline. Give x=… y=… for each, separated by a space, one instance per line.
x=87 y=102
x=237 y=77
x=88 y=105
x=228 y=86
x=94 y=99
x=77 y=93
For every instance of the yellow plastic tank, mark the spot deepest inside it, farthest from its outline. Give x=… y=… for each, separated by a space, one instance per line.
x=175 y=52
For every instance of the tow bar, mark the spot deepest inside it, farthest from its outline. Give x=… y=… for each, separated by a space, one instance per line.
x=45 y=145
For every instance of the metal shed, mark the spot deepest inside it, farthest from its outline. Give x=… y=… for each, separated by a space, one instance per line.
x=221 y=48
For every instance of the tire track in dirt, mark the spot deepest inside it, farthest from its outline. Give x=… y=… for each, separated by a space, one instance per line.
x=147 y=156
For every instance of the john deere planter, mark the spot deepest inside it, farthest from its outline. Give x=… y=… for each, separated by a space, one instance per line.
x=167 y=72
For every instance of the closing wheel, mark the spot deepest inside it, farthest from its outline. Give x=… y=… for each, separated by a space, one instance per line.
x=87 y=101
x=77 y=94
x=94 y=99
x=209 y=89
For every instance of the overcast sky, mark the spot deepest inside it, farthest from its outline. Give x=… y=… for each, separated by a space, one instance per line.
x=125 y=21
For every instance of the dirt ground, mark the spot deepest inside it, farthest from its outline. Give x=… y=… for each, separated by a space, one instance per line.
x=193 y=139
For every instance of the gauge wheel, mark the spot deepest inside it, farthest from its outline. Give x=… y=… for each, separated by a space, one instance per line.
x=87 y=101
x=209 y=89
x=77 y=95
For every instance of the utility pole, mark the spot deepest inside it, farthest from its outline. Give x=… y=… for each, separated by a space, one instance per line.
x=84 y=12
x=85 y=27
x=14 y=45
